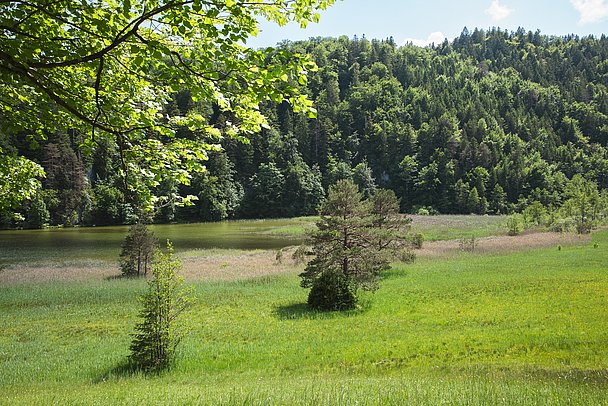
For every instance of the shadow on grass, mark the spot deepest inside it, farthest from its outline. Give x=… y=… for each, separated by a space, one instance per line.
x=126 y=369
x=296 y=311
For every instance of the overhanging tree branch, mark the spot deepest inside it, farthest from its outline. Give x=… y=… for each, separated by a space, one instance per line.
x=127 y=32
x=70 y=64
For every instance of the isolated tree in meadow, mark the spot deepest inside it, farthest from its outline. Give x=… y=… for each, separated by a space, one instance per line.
x=108 y=68
x=161 y=328
x=352 y=245
x=137 y=251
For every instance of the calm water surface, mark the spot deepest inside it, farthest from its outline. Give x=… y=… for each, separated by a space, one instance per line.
x=103 y=243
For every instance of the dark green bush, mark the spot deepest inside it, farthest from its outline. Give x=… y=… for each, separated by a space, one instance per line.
x=407 y=256
x=332 y=291
x=583 y=227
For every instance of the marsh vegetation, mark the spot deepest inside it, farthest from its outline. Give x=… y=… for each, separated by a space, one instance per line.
x=508 y=322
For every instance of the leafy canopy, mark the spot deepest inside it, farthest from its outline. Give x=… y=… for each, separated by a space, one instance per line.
x=107 y=67
x=17 y=180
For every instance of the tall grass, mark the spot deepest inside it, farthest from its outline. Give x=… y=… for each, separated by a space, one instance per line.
x=524 y=328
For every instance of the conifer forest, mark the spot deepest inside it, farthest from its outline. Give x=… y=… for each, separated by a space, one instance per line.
x=489 y=123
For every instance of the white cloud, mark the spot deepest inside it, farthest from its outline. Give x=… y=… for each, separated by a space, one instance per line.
x=433 y=38
x=497 y=11
x=591 y=11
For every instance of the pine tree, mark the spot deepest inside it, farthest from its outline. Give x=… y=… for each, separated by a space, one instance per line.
x=352 y=246
x=160 y=330
x=137 y=251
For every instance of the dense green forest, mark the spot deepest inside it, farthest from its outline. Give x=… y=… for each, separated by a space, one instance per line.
x=488 y=123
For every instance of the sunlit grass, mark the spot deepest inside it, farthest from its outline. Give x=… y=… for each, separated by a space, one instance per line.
x=523 y=328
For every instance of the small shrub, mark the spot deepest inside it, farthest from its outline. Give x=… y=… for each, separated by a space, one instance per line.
x=535 y=214
x=427 y=211
x=407 y=256
x=423 y=211
x=137 y=251
x=160 y=331
x=583 y=227
x=417 y=240
x=467 y=244
x=279 y=257
x=562 y=225
x=515 y=224
x=332 y=291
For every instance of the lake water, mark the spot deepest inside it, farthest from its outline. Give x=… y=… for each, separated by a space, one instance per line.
x=103 y=243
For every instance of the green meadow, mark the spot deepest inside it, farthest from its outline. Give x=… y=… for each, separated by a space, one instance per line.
x=521 y=328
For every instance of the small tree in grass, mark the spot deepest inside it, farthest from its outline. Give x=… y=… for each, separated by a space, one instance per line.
x=583 y=197
x=352 y=245
x=160 y=330
x=137 y=251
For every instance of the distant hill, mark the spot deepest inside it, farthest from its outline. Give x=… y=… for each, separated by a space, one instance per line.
x=487 y=123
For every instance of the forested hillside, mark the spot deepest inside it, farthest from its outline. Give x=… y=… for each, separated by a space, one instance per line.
x=488 y=123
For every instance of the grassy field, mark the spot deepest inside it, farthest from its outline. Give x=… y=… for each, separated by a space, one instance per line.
x=520 y=328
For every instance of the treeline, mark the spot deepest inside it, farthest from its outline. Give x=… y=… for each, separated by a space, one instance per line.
x=491 y=122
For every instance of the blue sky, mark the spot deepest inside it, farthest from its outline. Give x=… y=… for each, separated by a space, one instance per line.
x=421 y=21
